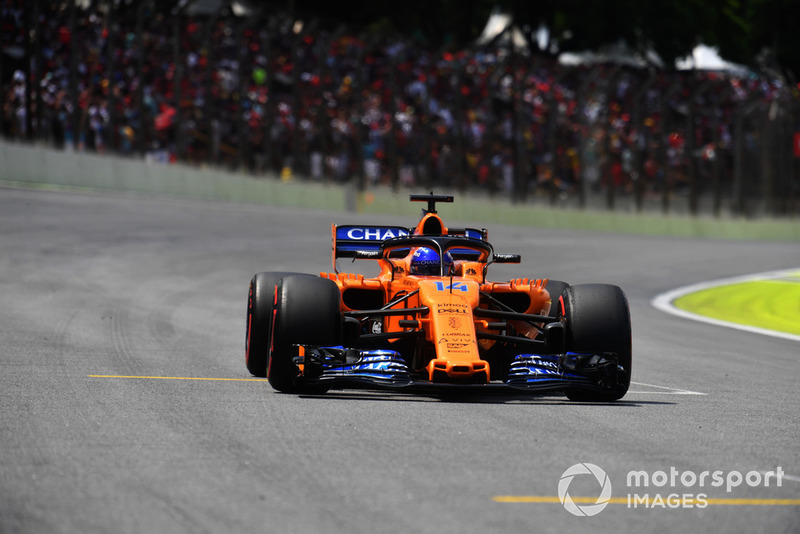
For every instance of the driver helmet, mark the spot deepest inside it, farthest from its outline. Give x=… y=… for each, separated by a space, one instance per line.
x=425 y=261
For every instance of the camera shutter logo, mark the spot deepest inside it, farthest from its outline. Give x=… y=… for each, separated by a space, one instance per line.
x=587 y=510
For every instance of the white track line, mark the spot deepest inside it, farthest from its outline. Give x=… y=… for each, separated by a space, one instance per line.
x=784 y=476
x=664 y=302
x=669 y=390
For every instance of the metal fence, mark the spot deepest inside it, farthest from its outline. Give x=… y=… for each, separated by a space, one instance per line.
x=268 y=93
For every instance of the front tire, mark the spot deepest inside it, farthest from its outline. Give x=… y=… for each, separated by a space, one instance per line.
x=598 y=320
x=307 y=312
x=259 y=320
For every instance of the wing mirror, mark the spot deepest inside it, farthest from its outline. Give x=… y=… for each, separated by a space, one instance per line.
x=506 y=258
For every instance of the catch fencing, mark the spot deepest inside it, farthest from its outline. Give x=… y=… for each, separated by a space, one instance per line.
x=271 y=94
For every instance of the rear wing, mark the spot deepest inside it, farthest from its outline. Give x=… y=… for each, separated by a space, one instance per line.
x=347 y=240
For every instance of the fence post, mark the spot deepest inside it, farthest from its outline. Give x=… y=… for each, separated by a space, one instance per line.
x=111 y=137
x=490 y=140
x=520 y=193
x=359 y=85
x=666 y=127
x=769 y=157
x=28 y=14
x=3 y=132
x=391 y=137
x=323 y=123
x=37 y=73
x=779 y=191
x=716 y=181
x=140 y=134
x=640 y=139
x=242 y=132
x=583 y=140
x=788 y=186
x=426 y=125
x=266 y=47
x=208 y=112
x=552 y=138
x=607 y=166
x=177 y=79
x=73 y=75
x=791 y=176
x=296 y=40
x=741 y=160
x=691 y=164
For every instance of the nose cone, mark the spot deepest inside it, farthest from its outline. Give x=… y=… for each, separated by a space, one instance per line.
x=452 y=331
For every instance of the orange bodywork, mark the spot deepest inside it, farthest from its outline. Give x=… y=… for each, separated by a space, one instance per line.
x=451 y=350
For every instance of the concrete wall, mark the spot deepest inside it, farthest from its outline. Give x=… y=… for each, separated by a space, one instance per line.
x=23 y=164
x=26 y=165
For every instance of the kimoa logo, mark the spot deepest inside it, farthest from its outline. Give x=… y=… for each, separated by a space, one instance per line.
x=587 y=510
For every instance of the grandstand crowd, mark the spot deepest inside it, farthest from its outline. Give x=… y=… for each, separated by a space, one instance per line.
x=268 y=93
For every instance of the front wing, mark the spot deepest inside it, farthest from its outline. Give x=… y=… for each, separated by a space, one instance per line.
x=338 y=367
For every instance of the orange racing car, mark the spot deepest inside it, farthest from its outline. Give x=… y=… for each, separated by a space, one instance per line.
x=431 y=319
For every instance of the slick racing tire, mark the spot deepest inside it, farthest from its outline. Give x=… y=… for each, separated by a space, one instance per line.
x=259 y=320
x=598 y=321
x=556 y=289
x=307 y=312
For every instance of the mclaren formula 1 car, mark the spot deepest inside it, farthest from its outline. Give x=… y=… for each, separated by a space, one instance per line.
x=432 y=319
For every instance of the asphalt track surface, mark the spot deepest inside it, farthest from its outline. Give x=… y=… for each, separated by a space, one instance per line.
x=97 y=289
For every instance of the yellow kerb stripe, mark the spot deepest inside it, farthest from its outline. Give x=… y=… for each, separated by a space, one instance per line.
x=523 y=499
x=182 y=378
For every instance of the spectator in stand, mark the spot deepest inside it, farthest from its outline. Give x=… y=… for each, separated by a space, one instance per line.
x=269 y=96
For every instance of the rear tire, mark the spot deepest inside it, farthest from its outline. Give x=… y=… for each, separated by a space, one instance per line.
x=259 y=320
x=597 y=321
x=307 y=312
